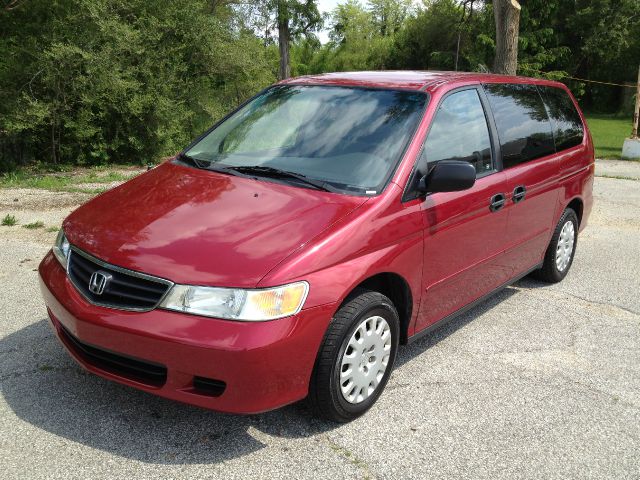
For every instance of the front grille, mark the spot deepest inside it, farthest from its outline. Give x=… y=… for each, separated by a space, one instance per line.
x=141 y=371
x=125 y=289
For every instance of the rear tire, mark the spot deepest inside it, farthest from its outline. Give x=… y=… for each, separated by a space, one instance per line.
x=356 y=357
x=561 y=251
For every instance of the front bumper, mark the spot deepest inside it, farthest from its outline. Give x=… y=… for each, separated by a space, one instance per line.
x=264 y=365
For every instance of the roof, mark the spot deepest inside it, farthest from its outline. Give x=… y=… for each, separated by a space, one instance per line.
x=413 y=80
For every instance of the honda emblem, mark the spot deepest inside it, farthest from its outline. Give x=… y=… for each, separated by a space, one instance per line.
x=98 y=282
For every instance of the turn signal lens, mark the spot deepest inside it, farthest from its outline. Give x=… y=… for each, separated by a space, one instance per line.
x=278 y=302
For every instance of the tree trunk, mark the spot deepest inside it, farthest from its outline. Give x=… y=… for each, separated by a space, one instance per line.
x=283 y=41
x=54 y=157
x=507 y=16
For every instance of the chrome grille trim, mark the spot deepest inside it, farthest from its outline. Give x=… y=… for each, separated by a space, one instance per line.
x=125 y=271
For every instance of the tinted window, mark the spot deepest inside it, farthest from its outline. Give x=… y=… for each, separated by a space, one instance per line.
x=523 y=126
x=567 y=125
x=459 y=132
x=351 y=138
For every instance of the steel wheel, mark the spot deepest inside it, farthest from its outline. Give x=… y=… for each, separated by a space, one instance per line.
x=365 y=359
x=564 y=249
x=561 y=250
x=356 y=357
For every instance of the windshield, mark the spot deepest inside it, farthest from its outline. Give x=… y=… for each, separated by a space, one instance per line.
x=349 y=138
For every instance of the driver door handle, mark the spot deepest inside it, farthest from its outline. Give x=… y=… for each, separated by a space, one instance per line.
x=497 y=202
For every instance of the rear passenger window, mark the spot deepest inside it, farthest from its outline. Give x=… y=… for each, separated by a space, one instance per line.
x=523 y=125
x=459 y=132
x=566 y=122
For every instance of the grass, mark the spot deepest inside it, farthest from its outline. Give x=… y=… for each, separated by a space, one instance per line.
x=351 y=458
x=619 y=177
x=34 y=225
x=53 y=229
x=608 y=134
x=9 y=220
x=65 y=181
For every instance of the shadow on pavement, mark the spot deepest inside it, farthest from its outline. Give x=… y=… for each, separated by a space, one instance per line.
x=46 y=388
x=408 y=353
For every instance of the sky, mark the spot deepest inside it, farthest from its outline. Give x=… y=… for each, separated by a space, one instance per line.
x=326 y=6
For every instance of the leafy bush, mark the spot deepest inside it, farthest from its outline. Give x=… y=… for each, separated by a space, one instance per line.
x=97 y=81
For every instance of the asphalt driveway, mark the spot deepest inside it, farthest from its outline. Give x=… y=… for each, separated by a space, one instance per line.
x=538 y=382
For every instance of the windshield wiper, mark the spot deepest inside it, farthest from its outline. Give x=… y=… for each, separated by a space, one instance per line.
x=272 y=172
x=183 y=157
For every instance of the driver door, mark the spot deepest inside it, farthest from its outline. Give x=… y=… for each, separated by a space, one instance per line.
x=465 y=231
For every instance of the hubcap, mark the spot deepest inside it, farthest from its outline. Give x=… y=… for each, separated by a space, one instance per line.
x=365 y=359
x=564 y=250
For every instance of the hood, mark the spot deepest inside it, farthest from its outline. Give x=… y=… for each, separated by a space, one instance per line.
x=201 y=227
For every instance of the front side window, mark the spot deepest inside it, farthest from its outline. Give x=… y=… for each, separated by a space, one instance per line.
x=521 y=118
x=459 y=132
x=348 y=138
x=567 y=125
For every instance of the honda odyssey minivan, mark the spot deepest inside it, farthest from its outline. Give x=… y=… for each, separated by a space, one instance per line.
x=288 y=251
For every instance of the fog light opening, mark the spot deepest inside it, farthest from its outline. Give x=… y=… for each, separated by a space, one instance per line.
x=208 y=386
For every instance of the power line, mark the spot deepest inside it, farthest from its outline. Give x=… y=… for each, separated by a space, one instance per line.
x=562 y=77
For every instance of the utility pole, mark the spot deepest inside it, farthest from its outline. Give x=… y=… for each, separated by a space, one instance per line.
x=631 y=146
x=636 y=112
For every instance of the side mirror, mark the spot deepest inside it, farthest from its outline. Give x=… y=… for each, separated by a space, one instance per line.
x=448 y=176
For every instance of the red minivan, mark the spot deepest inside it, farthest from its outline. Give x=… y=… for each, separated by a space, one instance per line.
x=288 y=251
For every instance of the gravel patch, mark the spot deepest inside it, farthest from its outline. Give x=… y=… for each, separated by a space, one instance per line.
x=17 y=199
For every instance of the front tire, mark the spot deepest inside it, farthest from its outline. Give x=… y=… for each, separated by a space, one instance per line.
x=356 y=357
x=562 y=248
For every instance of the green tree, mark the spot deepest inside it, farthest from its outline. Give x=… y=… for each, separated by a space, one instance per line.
x=351 y=22
x=598 y=40
x=432 y=38
x=389 y=15
x=93 y=81
x=356 y=41
x=304 y=54
x=293 y=19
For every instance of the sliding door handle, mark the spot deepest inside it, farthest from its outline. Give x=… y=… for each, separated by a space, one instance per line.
x=519 y=193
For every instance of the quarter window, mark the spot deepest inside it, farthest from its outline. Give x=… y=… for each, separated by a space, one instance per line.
x=521 y=118
x=566 y=122
x=459 y=132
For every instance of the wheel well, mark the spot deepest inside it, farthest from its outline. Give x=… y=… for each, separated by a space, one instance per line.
x=576 y=206
x=397 y=289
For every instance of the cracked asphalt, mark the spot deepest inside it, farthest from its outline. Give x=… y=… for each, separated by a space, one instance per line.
x=538 y=382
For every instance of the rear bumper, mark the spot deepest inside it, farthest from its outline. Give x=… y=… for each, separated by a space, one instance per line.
x=587 y=195
x=261 y=365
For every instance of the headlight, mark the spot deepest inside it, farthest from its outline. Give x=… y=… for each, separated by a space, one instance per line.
x=61 y=248
x=238 y=304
